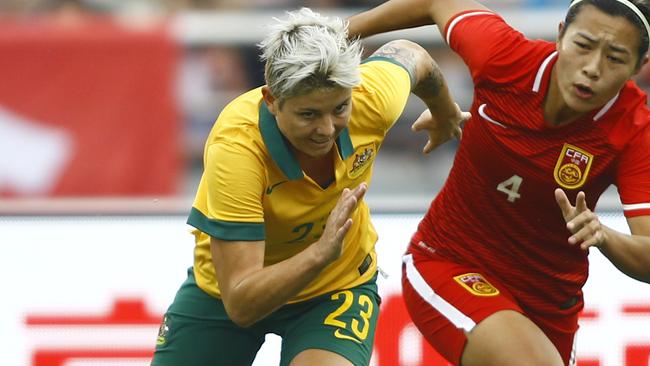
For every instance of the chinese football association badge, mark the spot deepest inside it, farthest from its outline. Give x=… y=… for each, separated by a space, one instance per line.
x=572 y=167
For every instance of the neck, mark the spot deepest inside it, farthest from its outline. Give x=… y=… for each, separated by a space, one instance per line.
x=306 y=160
x=556 y=111
x=320 y=169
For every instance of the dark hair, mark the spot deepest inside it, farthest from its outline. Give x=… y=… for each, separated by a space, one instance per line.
x=614 y=7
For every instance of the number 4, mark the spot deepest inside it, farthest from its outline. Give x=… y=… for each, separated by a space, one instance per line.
x=510 y=187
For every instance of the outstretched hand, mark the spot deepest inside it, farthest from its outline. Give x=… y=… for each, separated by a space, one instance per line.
x=440 y=129
x=581 y=221
x=339 y=222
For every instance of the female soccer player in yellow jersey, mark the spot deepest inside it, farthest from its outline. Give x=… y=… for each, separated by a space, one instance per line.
x=284 y=242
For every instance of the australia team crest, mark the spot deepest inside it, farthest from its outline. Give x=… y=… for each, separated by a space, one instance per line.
x=572 y=167
x=363 y=157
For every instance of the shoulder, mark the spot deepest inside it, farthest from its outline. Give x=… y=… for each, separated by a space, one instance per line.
x=632 y=116
x=239 y=121
x=633 y=107
x=382 y=95
x=492 y=49
x=381 y=66
x=245 y=107
x=384 y=82
x=477 y=17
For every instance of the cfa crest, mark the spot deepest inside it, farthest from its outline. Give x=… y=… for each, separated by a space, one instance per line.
x=476 y=284
x=362 y=158
x=572 y=167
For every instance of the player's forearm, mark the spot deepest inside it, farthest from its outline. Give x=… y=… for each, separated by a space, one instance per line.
x=432 y=88
x=267 y=289
x=629 y=253
x=389 y=16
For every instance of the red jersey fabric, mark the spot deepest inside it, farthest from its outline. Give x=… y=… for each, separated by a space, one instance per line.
x=497 y=210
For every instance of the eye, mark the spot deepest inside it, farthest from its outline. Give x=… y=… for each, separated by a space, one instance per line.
x=307 y=114
x=581 y=45
x=341 y=108
x=615 y=60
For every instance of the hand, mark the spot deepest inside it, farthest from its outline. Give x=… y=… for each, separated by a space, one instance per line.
x=581 y=221
x=338 y=223
x=440 y=129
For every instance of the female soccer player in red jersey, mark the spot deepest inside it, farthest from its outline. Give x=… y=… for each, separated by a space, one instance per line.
x=494 y=273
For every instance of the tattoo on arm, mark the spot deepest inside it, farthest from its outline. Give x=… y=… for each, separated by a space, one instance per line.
x=402 y=55
x=430 y=85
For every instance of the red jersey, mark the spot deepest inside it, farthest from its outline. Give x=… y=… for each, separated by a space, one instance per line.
x=497 y=210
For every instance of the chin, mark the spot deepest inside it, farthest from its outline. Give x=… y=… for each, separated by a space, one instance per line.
x=581 y=105
x=590 y=106
x=318 y=153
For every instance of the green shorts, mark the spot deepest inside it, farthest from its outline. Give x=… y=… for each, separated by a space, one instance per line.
x=197 y=331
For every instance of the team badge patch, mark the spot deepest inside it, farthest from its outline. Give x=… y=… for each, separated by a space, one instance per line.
x=362 y=158
x=163 y=331
x=476 y=284
x=572 y=167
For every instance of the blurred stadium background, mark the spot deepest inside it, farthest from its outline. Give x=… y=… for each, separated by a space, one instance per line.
x=104 y=108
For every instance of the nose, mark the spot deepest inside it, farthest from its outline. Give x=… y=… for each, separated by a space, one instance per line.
x=326 y=127
x=591 y=68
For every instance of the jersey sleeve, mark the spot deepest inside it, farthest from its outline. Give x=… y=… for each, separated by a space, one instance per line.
x=491 y=49
x=633 y=176
x=383 y=93
x=228 y=205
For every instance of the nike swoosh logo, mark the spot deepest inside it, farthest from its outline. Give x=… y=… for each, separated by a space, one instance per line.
x=271 y=188
x=338 y=334
x=481 y=111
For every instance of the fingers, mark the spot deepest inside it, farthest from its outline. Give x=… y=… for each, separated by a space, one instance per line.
x=339 y=223
x=458 y=133
x=587 y=230
x=347 y=203
x=422 y=121
x=581 y=221
x=360 y=191
x=343 y=230
x=563 y=201
x=593 y=242
x=581 y=202
x=428 y=147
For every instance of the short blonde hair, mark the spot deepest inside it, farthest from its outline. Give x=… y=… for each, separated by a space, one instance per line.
x=308 y=51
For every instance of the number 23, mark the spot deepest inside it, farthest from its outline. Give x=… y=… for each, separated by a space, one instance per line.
x=366 y=314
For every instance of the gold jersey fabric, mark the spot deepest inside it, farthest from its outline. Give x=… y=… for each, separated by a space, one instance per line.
x=253 y=189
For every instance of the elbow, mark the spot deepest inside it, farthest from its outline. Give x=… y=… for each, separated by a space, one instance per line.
x=242 y=321
x=239 y=314
x=643 y=276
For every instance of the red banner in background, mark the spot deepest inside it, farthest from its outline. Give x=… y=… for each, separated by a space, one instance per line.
x=87 y=108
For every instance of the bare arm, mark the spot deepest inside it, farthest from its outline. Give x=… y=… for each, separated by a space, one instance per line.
x=251 y=291
x=629 y=253
x=401 y=14
x=443 y=118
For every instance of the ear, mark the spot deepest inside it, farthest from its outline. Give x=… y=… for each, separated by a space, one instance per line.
x=560 y=29
x=269 y=99
x=641 y=64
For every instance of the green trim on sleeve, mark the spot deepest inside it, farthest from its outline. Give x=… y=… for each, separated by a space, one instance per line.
x=392 y=61
x=224 y=230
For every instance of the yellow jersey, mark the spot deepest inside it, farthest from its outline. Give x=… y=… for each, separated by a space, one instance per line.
x=253 y=188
